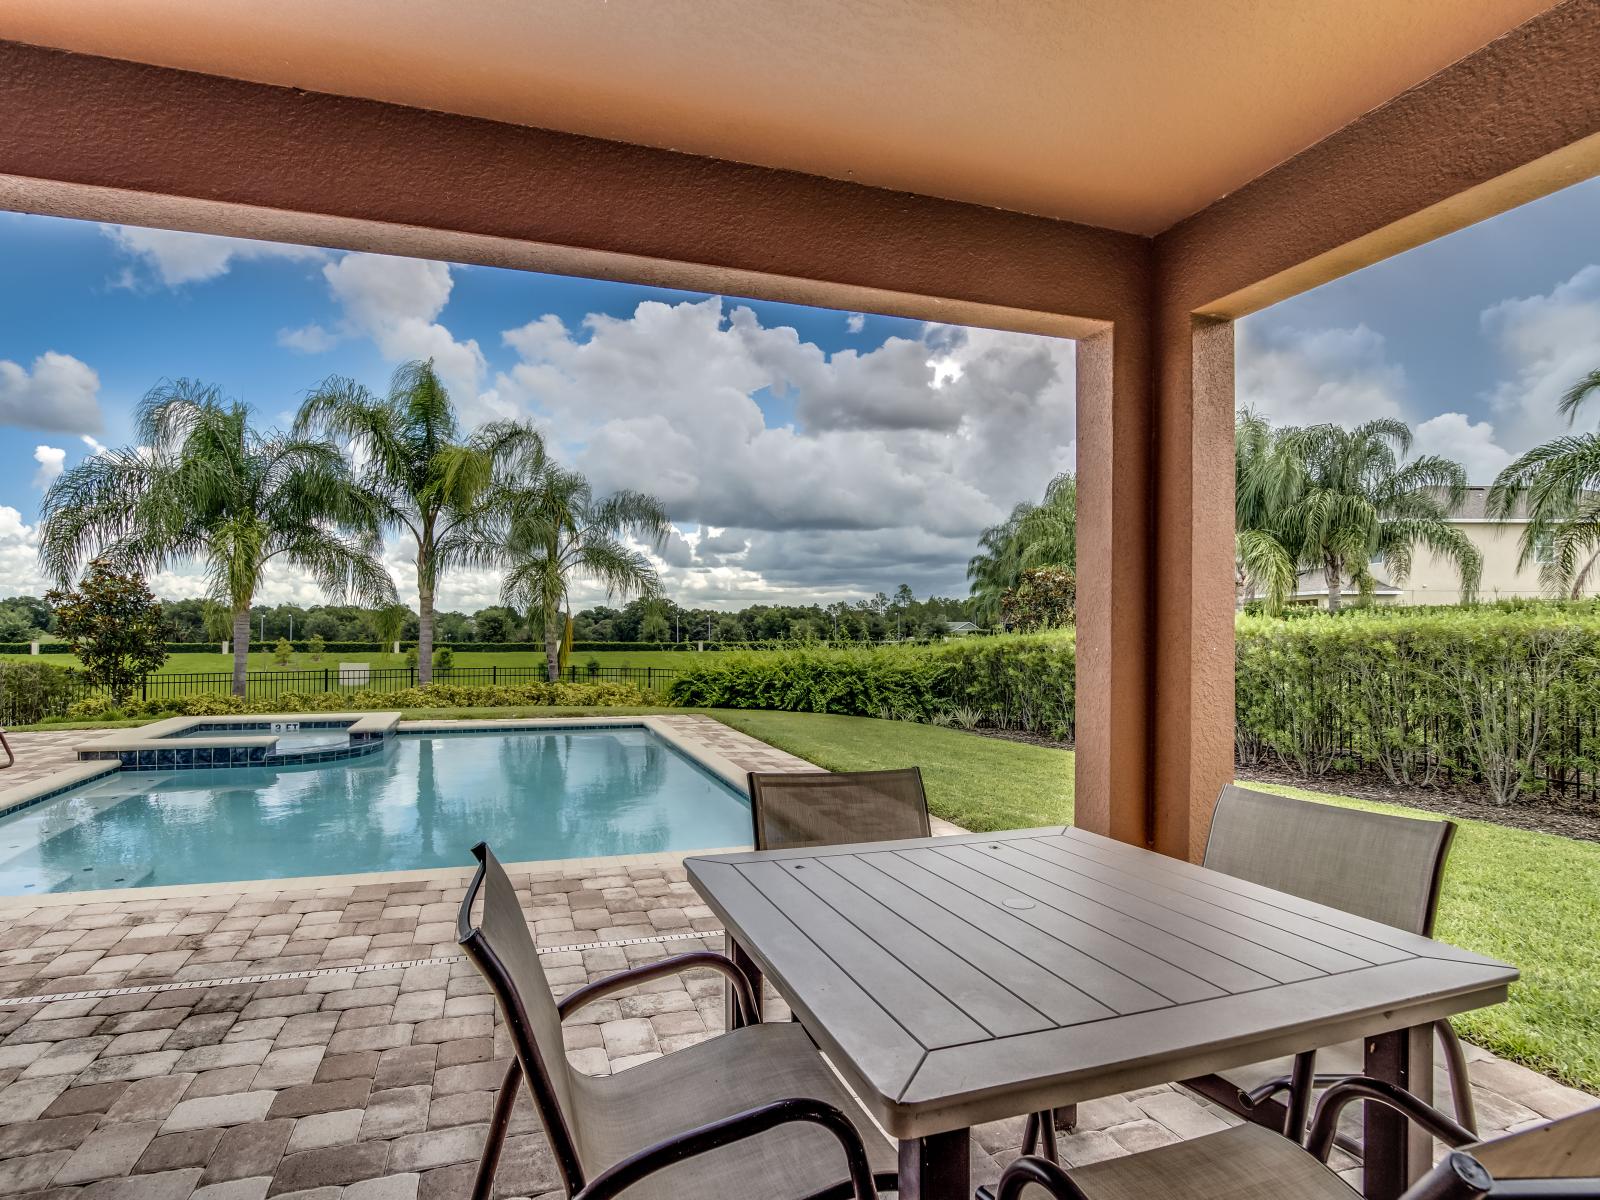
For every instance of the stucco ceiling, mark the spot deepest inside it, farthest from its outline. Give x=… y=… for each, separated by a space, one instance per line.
x=1129 y=114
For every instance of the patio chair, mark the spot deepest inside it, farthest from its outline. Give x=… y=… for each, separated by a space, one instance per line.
x=819 y=808
x=11 y=759
x=1377 y=866
x=1248 y=1162
x=754 y=1106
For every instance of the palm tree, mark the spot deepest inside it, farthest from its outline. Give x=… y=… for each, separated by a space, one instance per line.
x=1034 y=535
x=554 y=529
x=1265 y=480
x=1349 y=500
x=1559 y=483
x=421 y=474
x=204 y=485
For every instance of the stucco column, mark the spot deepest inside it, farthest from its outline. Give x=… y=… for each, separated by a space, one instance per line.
x=1155 y=580
x=1115 y=629
x=1192 y=580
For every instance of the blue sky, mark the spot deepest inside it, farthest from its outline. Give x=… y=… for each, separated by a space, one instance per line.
x=803 y=453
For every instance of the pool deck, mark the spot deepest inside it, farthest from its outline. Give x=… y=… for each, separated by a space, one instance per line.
x=368 y=1073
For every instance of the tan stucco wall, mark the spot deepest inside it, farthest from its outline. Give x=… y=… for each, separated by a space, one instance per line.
x=1433 y=580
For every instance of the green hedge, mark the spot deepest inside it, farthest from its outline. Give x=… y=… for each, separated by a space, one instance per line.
x=1507 y=696
x=32 y=691
x=1015 y=683
x=436 y=695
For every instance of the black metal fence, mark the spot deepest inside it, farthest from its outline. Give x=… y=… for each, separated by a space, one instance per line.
x=267 y=685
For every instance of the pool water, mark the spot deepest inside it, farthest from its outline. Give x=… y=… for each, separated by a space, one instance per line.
x=422 y=802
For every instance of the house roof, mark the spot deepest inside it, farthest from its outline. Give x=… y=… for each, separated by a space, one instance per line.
x=1312 y=583
x=1128 y=114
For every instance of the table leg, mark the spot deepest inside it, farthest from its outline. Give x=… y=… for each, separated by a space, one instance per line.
x=748 y=965
x=937 y=1167
x=1395 y=1152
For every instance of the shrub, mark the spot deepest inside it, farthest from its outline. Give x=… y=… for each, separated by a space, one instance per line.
x=32 y=691
x=850 y=682
x=282 y=652
x=318 y=646
x=444 y=660
x=1021 y=682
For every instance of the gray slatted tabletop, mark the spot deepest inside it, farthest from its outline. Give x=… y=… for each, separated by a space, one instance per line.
x=959 y=980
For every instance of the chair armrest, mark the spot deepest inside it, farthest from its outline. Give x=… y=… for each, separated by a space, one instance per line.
x=744 y=994
x=732 y=1129
x=1325 y=1124
x=1030 y=1168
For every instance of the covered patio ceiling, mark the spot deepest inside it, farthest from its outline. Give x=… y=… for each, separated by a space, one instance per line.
x=1124 y=115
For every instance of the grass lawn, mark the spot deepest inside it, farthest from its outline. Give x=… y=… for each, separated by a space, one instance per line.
x=960 y=770
x=263 y=660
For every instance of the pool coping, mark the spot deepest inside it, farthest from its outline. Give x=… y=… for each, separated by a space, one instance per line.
x=447 y=876
x=47 y=788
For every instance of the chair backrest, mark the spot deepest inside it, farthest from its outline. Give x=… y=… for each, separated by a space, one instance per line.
x=1568 y=1148
x=1384 y=868
x=502 y=949
x=818 y=808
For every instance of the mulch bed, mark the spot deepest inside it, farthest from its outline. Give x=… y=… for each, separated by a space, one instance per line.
x=1580 y=821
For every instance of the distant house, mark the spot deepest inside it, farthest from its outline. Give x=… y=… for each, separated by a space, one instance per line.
x=1434 y=580
x=1499 y=540
x=1311 y=588
x=960 y=628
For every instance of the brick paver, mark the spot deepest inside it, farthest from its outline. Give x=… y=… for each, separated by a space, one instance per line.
x=378 y=1085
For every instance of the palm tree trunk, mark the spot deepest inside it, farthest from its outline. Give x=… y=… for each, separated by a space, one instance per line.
x=425 y=635
x=241 y=648
x=1331 y=573
x=552 y=644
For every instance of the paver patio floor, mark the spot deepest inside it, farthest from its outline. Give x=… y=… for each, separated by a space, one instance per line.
x=371 y=1080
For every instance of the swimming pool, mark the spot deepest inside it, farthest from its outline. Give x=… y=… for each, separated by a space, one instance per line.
x=422 y=802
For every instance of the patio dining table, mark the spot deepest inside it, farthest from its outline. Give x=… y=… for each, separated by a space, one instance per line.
x=959 y=980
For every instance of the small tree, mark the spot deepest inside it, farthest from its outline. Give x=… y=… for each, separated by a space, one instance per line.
x=114 y=626
x=319 y=647
x=282 y=652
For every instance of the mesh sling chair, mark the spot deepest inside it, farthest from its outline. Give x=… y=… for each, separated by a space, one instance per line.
x=819 y=808
x=1385 y=868
x=755 y=1105
x=1248 y=1162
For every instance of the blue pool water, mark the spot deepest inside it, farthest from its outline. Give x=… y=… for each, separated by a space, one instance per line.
x=421 y=802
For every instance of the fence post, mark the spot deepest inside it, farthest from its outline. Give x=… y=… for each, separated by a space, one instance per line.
x=327 y=679
x=413 y=677
x=494 y=673
x=144 y=687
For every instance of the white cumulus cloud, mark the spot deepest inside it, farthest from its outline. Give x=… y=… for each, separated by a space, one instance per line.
x=308 y=339
x=1471 y=443
x=60 y=394
x=52 y=461
x=1548 y=343
x=1307 y=377
x=19 y=556
x=396 y=303
x=855 y=322
x=176 y=258
x=867 y=468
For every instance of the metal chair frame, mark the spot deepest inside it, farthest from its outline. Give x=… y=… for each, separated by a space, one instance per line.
x=527 y=1062
x=1457 y=1176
